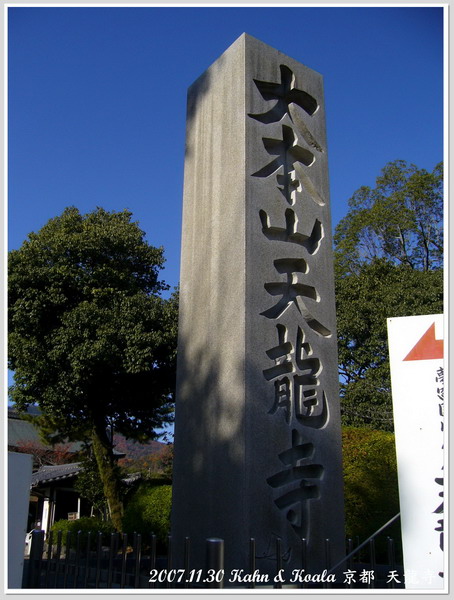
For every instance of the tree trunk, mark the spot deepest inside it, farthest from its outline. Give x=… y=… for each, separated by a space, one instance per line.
x=108 y=472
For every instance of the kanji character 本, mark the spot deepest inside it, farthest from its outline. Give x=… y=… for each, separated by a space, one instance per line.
x=289 y=157
x=296 y=498
x=292 y=292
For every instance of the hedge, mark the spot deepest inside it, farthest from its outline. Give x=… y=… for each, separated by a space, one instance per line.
x=148 y=511
x=370 y=482
x=84 y=525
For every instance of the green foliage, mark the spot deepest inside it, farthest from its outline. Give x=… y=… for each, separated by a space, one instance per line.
x=401 y=220
x=364 y=302
x=388 y=263
x=370 y=482
x=91 y=341
x=89 y=334
x=148 y=511
x=89 y=485
x=84 y=525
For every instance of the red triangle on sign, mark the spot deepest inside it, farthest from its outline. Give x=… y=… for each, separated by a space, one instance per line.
x=427 y=347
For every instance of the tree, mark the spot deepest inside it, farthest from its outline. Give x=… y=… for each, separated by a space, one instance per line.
x=89 y=485
x=91 y=340
x=364 y=301
x=167 y=460
x=45 y=455
x=388 y=257
x=153 y=465
x=401 y=219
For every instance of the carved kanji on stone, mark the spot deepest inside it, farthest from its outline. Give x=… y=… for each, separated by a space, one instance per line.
x=297 y=483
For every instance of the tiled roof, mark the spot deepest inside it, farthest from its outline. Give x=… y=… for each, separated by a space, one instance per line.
x=21 y=431
x=132 y=478
x=52 y=473
x=47 y=474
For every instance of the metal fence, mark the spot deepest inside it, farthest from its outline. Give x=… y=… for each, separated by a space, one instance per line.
x=85 y=561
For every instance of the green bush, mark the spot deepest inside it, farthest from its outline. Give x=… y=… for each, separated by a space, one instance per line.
x=84 y=525
x=148 y=511
x=370 y=483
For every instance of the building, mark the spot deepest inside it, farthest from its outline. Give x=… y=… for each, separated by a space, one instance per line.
x=52 y=493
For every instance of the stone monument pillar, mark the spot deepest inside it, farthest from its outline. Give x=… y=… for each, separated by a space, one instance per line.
x=257 y=433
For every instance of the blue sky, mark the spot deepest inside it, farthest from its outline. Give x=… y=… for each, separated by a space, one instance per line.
x=97 y=101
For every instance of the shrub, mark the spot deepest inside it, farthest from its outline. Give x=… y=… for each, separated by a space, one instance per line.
x=148 y=511
x=370 y=482
x=84 y=525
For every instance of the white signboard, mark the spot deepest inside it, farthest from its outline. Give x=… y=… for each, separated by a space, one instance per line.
x=418 y=380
